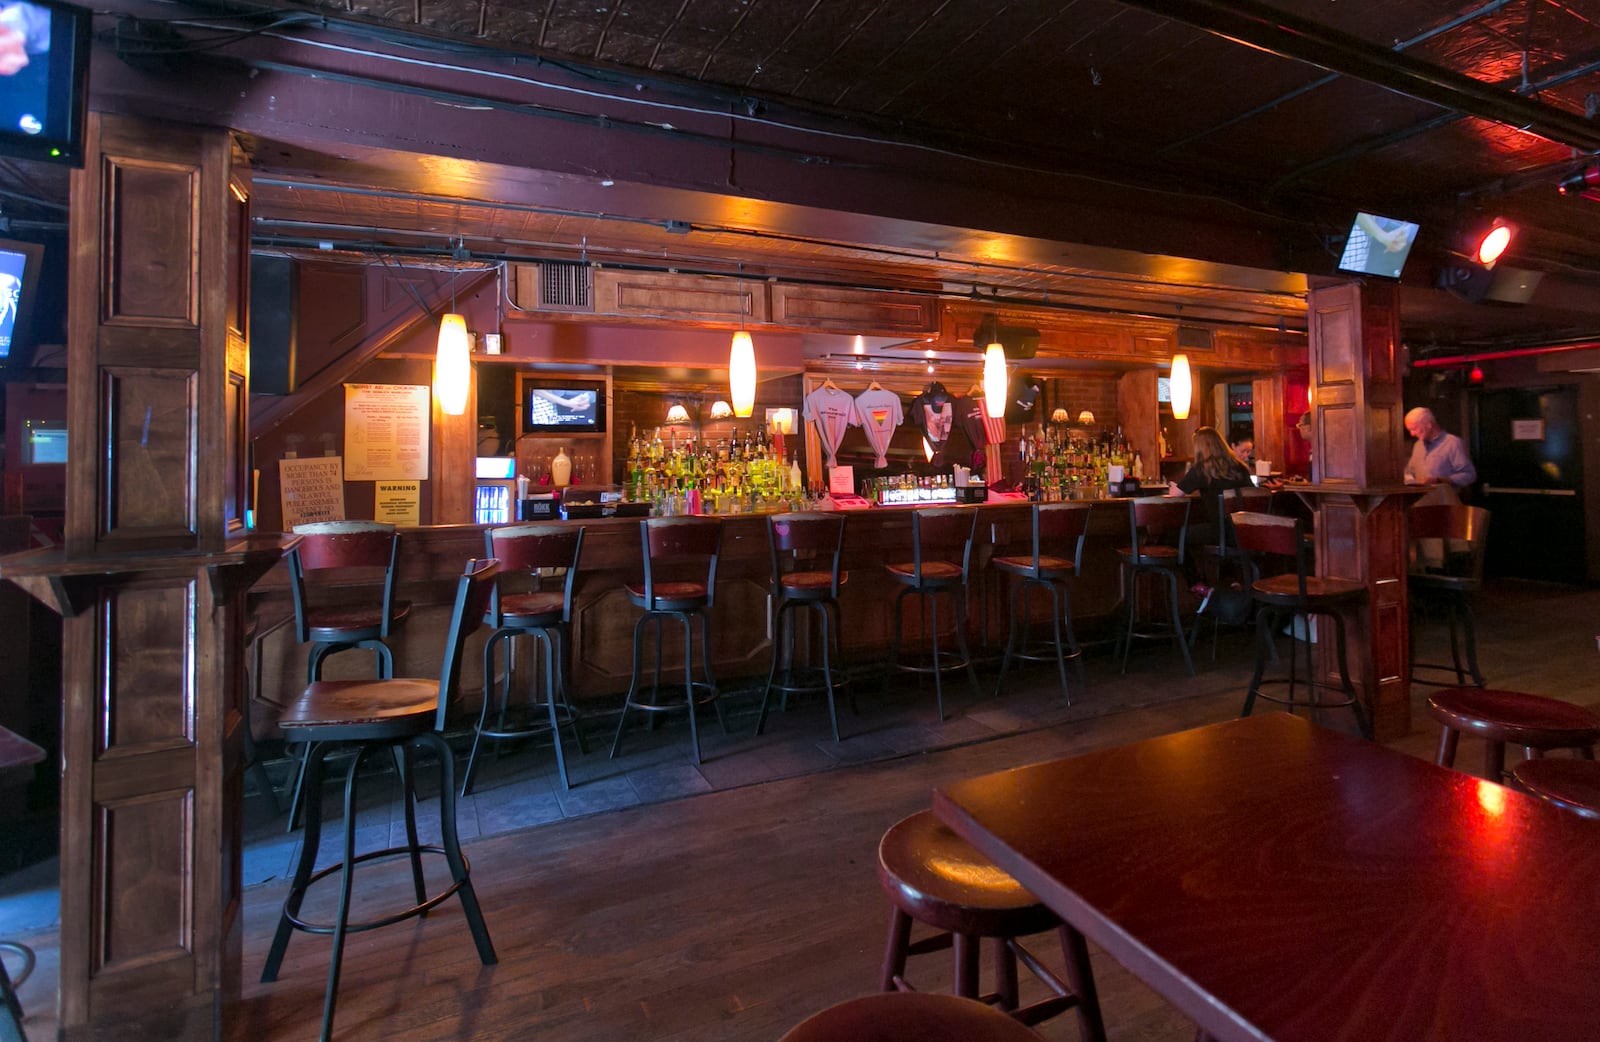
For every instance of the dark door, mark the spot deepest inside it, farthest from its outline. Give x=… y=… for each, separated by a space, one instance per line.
x=1529 y=456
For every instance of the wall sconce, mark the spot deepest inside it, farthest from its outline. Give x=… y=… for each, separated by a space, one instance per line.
x=782 y=421
x=721 y=410
x=1060 y=416
x=1086 y=418
x=677 y=415
x=1182 y=387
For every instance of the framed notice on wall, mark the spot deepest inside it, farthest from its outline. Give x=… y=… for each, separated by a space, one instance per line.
x=311 y=489
x=386 y=432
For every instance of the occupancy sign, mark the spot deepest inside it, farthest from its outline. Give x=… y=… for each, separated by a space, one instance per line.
x=311 y=489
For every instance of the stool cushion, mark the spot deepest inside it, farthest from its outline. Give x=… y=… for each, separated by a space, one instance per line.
x=1570 y=784
x=937 y=571
x=354 y=617
x=673 y=596
x=808 y=581
x=1285 y=589
x=909 y=1017
x=360 y=706
x=1150 y=555
x=1515 y=718
x=1023 y=565
x=939 y=879
x=517 y=606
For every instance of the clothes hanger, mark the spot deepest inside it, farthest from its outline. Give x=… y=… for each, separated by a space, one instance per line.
x=874 y=386
x=975 y=391
x=827 y=382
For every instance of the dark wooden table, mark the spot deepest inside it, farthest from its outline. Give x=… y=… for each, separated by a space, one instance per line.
x=1276 y=880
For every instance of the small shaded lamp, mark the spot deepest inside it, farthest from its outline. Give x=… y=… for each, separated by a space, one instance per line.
x=1086 y=418
x=1060 y=416
x=721 y=410
x=677 y=414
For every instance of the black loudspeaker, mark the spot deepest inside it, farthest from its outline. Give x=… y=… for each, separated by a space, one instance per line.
x=274 y=296
x=1470 y=282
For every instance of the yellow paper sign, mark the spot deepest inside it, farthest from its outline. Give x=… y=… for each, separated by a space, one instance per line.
x=398 y=502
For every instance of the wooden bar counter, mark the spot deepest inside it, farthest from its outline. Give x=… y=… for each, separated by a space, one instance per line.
x=432 y=557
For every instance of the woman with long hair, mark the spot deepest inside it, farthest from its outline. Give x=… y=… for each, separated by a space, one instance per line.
x=1215 y=470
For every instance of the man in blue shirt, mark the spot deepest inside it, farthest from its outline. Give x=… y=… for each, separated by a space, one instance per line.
x=1437 y=457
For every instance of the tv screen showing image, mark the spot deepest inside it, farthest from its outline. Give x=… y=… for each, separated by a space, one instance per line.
x=552 y=408
x=19 y=275
x=44 y=55
x=1377 y=245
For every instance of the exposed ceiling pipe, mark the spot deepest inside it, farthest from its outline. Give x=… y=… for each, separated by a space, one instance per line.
x=1456 y=361
x=1254 y=24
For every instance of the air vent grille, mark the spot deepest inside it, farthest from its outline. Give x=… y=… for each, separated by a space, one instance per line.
x=561 y=286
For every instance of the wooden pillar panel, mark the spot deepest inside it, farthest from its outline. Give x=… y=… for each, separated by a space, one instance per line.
x=149 y=456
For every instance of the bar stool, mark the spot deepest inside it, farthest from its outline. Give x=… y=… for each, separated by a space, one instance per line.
x=680 y=582
x=1296 y=597
x=1058 y=536
x=372 y=716
x=1159 y=526
x=1223 y=562
x=933 y=876
x=1448 y=569
x=1569 y=784
x=342 y=553
x=1502 y=718
x=909 y=1017
x=941 y=559
x=545 y=615
x=799 y=543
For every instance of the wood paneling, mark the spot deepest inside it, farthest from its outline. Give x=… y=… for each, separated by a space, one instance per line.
x=855 y=311
x=149 y=456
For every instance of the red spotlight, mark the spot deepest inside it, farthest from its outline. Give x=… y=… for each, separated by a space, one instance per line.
x=1475 y=375
x=1492 y=244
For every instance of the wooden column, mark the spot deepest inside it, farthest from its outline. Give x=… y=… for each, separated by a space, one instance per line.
x=150 y=582
x=1358 y=461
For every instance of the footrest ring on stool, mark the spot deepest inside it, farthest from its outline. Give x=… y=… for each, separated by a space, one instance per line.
x=308 y=926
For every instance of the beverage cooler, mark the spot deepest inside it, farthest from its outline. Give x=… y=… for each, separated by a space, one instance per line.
x=496 y=494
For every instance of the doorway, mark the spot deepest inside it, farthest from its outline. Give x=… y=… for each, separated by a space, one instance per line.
x=1528 y=448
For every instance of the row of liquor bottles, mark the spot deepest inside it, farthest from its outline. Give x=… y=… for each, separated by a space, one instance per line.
x=1075 y=465
x=734 y=476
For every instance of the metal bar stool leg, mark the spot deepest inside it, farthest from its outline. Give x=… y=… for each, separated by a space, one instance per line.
x=450 y=839
x=827 y=667
x=938 y=674
x=633 y=685
x=550 y=703
x=705 y=668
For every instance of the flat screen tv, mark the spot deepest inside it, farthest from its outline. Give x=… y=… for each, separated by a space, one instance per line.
x=1377 y=246
x=20 y=272
x=44 y=65
x=563 y=406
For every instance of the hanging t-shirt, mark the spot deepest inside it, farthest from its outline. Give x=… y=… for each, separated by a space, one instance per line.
x=1023 y=399
x=933 y=411
x=969 y=415
x=878 y=412
x=834 y=412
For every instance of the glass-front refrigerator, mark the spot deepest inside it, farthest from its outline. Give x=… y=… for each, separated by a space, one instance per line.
x=495 y=500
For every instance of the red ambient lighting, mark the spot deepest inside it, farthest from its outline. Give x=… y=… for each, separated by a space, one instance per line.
x=1494 y=242
x=1476 y=375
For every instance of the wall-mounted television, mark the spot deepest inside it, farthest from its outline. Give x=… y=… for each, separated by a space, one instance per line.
x=1377 y=245
x=20 y=272
x=44 y=66
x=563 y=406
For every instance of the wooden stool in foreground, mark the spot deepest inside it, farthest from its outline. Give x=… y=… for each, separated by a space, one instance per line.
x=1503 y=718
x=1569 y=784
x=935 y=877
x=909 y=1017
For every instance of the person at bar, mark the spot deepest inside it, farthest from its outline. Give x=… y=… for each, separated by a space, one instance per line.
x=1215 y=469
x=1437 y=457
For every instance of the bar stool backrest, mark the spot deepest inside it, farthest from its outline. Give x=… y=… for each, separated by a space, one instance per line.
x=1462 y=524
x=473 y=590
x=1156 y=518
x=802 y=538
x=680 y=549
x=357 y=550
x=1059 y=530
x=1274 y=536
x=530 y=549
x=943 y=534
x=1232 y=500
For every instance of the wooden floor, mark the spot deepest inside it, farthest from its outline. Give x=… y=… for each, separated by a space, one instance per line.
x=734 y=914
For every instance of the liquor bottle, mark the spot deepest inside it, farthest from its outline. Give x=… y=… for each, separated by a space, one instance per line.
x=561 y=469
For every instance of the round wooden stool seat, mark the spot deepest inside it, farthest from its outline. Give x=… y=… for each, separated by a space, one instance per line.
x=909 y=1017
x=937 y=878
x=1535 y=722
x=1569 y=784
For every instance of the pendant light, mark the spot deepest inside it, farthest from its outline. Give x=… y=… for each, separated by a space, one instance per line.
x=1182 y=387
x=742 y=364
x=994 y=374
x=452 y=364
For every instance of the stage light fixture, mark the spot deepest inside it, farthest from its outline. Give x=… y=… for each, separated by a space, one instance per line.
x=1489 y=244
x=1584 y=182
